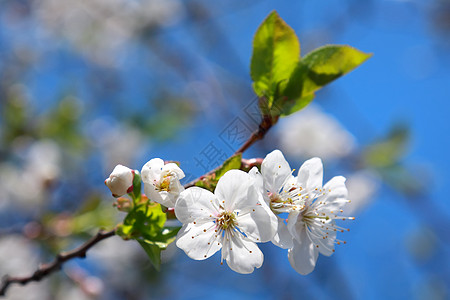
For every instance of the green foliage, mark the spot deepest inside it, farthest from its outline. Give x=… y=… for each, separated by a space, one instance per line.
x=315 y=70
x=385 y=156
x=209 y=182
x=136 y=193
x=62 y=123
x=145 y=224
x=388 y=151
x=276 y=51
x=285 y=82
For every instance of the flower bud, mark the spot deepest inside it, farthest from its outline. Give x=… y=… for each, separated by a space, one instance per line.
x=120 y=182
x=123 y=204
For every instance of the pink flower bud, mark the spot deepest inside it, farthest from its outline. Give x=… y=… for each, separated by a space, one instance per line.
x=120 y=182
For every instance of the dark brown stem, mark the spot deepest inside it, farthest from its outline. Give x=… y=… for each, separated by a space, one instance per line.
x=46 y=269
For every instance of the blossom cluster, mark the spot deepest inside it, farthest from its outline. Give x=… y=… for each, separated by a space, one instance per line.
x=297 y=213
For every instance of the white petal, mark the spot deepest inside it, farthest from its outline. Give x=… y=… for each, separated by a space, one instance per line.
x=258 y=179
x=120 y=182
x=151 y=171
x=173 y=169
x=259 y=184
x=323 y=237
x=168 y=199
x=241 y=254
x=294 y=224
x=275 y=169
x=310 y=175
x=199 y=241
x=258 y=223
x=152 y=193
x=335 y=196
x=235 y=190
x=303 y=255
x=283 y=237
x=196 y=203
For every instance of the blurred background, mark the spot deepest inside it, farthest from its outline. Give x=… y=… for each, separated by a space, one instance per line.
x=88 y=84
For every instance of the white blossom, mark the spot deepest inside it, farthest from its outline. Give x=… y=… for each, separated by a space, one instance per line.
x=162 y=181
x=233 y=219
x=120 y=182
x=312 y=209
x=19 y=257
x=312 y=132
x=101 y=29
x=38 y=165
x=362 y=187
x=314 y=227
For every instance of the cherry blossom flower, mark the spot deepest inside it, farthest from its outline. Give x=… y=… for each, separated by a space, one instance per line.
x=314 y=227
x=162 y=181
x=281 y=192
x=233 y=219
x=120 y=182
x=320 y=135
x=312 y=209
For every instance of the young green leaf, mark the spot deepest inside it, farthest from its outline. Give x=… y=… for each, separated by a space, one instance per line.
x=153 y=253
x=209 y=182
x=388 y=151
x=314 y=71
x=276 y=51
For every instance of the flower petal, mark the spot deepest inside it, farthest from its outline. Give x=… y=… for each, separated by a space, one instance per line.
x=258 y=179
x=199 y=241
x=310 y=175
x=235 y=190
x=303 y=255
x=258 y=223
x=241 y=254
x=173 y=169
x=275 y=169
x=282 y=237
x=294 y=224
x=153 y=194
x=168 y=199
x=195 y=204
x=151 y=171
x=323 y=237
x=335 y=195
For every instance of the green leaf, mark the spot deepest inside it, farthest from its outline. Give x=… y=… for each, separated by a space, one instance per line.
x=314 y=71
x=388 y=151
x=276 y=51
x=136 y=193
x=234 y=162
x=166 y=236
x=210 y=182
x=153 y=253
x=146 y=220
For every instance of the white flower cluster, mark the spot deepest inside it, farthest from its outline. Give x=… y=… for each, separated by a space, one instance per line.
x=247 y=208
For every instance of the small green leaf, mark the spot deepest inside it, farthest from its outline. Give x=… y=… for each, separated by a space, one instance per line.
x=388 y=151
x=234 y=162
x=276 y=51
x=314 y=71
x=153 y=253
x=210 y=182
x=136 y=193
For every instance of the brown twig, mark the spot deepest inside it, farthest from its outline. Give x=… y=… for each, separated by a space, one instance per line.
x=61 y=258
x=266 y=123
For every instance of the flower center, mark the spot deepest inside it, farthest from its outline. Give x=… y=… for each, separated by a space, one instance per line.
x=287 y=199
x=226 y=220
x=164 y=183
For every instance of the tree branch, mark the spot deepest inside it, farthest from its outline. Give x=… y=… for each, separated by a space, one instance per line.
x=266 y=123
x=61 y=258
